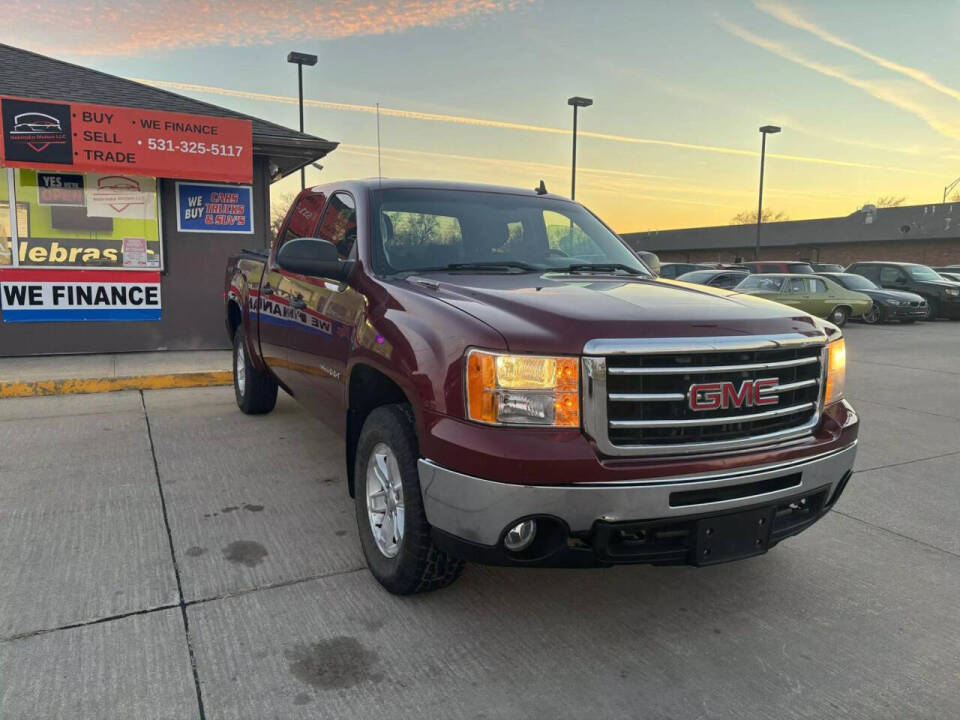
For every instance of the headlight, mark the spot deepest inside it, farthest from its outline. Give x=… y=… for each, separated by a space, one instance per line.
x=953 y=291
x=894 y=301
x=523 y=389
x=836 y=371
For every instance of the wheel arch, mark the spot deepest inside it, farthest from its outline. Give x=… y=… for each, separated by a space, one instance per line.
x=367 y=389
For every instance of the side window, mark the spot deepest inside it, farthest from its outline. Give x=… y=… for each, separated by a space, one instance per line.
x=796 y=286
x=304 y=218
x=566 y=238
x=889 y=275
x=818 y=287
x=339 y=224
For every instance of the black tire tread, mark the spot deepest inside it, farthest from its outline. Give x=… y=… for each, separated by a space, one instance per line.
x=260 y=394
x=420 y=566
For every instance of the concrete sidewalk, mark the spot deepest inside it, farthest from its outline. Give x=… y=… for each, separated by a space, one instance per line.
x=70 y=374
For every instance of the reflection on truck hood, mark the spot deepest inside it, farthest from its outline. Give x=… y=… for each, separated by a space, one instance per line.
x=559 y=312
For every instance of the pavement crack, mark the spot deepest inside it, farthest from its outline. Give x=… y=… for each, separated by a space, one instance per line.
x=87 y=623
x=271 y=586
x=899 y=535
x=906 y=462
x=173 y=556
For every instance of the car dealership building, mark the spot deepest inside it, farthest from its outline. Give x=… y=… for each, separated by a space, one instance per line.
x=119 y=206
x=925 y=234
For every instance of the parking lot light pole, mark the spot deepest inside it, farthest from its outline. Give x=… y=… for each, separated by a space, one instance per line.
x=300 y=59
x=764 y=131
x=576 y=102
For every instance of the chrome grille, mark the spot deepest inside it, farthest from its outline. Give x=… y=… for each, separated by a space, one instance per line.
x=637 y=393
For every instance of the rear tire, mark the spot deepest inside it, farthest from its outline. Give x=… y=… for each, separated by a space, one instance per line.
x=395 y=536
x=255 y=390
x=838 y=316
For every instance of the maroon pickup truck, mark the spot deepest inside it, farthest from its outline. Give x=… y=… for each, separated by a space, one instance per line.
x=514 y=386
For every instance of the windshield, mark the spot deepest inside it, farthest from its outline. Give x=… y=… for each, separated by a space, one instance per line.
x=856 y=282
x=417 y=230
x=922 y=272
x=764 y=283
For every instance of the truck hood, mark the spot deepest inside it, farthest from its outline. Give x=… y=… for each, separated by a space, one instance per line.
x=560 y=312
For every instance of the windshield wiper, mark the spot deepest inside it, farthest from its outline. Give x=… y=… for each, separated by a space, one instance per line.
x=492 y=266
x=603 y=267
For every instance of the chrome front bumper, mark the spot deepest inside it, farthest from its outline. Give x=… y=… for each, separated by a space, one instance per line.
x=478 y=510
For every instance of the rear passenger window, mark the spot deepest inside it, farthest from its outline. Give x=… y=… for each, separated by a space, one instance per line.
x=304 y=217
x=818 y=287
x=339 y=224
x=889 y=275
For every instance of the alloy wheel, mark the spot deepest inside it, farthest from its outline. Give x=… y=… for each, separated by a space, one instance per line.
x=385 y=509
x=240 y=369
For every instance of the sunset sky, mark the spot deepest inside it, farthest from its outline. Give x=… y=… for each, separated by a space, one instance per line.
x=866 y=92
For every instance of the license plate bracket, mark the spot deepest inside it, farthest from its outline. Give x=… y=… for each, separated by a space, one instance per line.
x=731 y=537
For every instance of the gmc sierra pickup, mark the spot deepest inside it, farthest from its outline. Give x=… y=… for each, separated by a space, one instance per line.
x=514 y=386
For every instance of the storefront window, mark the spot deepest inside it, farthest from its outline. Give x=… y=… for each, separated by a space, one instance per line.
x=6 y=236
x=87 y=220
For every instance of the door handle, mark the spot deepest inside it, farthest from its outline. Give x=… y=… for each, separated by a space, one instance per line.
x=297 y=304
x=267 y=289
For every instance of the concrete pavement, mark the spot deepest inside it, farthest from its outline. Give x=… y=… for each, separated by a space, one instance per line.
x=165 y=556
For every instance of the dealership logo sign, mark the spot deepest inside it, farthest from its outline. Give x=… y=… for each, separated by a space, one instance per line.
x=725 y=395
x=37 y=131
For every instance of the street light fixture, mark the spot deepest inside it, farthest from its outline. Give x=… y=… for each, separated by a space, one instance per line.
x=576 y=102
x=300 y=59
x=764 y=131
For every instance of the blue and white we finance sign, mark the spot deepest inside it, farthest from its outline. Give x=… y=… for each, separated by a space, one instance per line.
x=204 y=207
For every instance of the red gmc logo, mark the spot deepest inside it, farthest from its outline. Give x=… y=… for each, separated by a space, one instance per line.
x=725 y=395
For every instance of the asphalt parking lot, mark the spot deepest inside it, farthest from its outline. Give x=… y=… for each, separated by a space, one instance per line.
x=165 y=556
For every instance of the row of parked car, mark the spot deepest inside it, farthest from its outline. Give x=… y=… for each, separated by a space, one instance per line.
x=875 y=292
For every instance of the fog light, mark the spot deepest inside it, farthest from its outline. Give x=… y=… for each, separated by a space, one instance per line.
x=520 y=536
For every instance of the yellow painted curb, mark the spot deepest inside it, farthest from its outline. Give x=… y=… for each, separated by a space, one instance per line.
x=99 y=385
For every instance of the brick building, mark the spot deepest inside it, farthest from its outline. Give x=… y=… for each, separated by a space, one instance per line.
x=927 y=234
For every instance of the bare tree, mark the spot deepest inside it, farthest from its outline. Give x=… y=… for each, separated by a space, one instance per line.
x=279 y=206
x=748 y=217
x=885 y=201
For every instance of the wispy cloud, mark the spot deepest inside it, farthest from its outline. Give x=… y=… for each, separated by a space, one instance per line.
x=791 y=17
x=880 y=90
x=119 y=27
x=503 y=124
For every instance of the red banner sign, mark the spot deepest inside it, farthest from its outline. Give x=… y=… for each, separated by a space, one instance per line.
x=101 y=138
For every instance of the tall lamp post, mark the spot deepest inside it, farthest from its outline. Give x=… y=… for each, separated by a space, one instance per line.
x=300 y=59
x=764 y=131
x=576 y=102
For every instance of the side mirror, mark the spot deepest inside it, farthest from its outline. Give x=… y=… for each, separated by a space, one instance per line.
x=315 y=257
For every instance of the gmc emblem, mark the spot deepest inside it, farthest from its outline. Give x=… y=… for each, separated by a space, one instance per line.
x=724 y=395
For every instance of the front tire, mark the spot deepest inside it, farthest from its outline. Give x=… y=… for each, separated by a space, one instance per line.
x=875 y=316
x=933 y=310
x=255 y=390
x=394 y=532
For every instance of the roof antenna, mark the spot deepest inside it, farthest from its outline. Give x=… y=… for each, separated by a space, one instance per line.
x=541 y=189
x=379 y=167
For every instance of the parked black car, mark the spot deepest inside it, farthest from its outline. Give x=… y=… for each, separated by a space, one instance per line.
x=724 y=278
x=887 y=304
x=942 y=296
x=674 y=270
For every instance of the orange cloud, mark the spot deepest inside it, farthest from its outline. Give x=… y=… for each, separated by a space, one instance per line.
x=88 y=27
